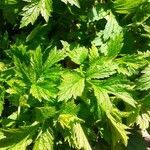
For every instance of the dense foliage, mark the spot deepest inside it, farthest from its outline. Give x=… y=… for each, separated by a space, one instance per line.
x=74 y=74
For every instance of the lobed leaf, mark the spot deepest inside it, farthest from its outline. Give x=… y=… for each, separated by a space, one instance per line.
x=126 y=6
x=118 y=87
x=44 y=141
x=15 y=139
x=118 y=131
x=100 y=68
x=72 y=85
x=43 y=90
x=72 y=2
x=144 y=81
x=78 y=54
x=34 y=9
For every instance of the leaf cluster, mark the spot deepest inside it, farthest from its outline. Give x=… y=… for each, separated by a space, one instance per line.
x=74 y=74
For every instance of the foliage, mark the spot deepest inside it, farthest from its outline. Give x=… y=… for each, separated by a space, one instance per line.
x=74 y=74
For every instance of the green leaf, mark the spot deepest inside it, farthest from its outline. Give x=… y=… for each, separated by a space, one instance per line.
x=15 y=139
x=121 y=88
x=93 y=53
x=2 y=66
x=23 y=71
x=97 y=12
x=130 y=64
x=114 y=46
x=10 y=120
x=117 y=86
x=144 y=81
x=35 y=32
x=34 y=9
x=44 y=141
x=72 y=2
x=45 y=90
x=112 y=27
x=22 y=144
x=81 y=139
x=103 y=99
x=36 y=62
x=126 y=6
x=16 y=86
x=42 y=113
x=143 y=120
x=69 y=108
x=78 y=54
x=100 y=68
x=46 y=8
x=73 y=131
x=37 y=76
x=30 y=14
x=146 y=101
x=19 y=51
x=54 y=57
x=67 y=120
x=72 y=85
x=118 y=131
